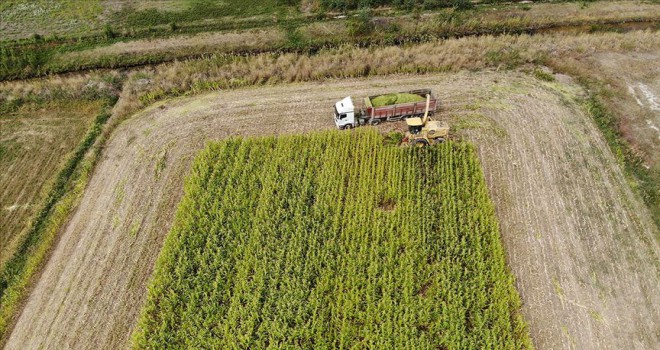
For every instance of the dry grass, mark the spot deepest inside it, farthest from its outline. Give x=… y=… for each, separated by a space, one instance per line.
x=75 y=86
x=34 y=142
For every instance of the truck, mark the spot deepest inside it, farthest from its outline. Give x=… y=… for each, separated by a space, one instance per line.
x=347 y=116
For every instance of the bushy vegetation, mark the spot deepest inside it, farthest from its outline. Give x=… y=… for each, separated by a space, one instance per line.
x=333 y=240
x=15 y=61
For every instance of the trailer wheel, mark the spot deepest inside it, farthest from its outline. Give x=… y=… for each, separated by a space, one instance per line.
x=374 y=122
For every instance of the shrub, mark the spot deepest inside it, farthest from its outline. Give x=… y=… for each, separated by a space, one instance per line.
x=361 y=23
x=109 y=32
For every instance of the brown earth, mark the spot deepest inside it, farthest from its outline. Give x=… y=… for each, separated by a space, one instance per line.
x=581 y=244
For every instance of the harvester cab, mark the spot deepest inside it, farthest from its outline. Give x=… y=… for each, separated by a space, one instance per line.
x=415 y=125
x=423 y=131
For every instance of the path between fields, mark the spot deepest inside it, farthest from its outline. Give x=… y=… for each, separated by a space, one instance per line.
x=581 y=245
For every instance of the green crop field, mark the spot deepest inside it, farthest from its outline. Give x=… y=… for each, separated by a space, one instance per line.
x=333 y=240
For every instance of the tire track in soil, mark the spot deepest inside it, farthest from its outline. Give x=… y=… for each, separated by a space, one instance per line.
x=579 y=242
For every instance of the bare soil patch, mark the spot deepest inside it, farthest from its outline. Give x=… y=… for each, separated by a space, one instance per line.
x=580 y=243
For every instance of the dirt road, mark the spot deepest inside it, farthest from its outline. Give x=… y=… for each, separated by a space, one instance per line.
x=581 y=245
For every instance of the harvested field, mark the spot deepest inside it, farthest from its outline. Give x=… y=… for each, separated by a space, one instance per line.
x=580 y=243
x=633 y=97
x=33 y=144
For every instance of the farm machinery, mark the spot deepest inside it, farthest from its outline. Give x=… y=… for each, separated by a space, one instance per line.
x=415 y=107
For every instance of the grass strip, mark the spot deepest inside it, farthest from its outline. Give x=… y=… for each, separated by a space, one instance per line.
x=640 y=178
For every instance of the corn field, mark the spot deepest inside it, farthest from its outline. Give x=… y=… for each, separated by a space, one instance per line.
x=333 y=240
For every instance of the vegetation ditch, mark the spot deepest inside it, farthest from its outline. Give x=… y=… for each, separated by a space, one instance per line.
x=40 y=56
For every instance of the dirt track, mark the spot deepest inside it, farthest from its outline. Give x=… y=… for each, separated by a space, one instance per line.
x=580 y=244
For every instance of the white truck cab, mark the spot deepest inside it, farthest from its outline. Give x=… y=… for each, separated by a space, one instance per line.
x=345 y=114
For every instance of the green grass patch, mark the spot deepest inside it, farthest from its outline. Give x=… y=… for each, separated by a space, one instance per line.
x=41 y=17
x=301 y=241
x=543 y=75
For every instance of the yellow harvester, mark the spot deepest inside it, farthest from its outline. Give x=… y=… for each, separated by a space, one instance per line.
x=424 y=131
